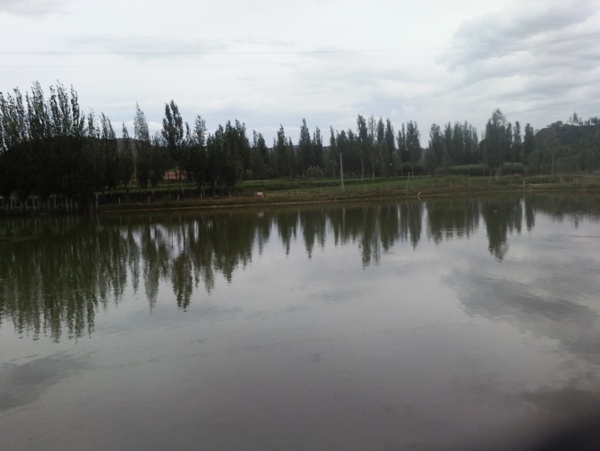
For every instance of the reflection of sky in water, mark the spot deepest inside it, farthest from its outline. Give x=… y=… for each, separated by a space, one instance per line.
x=426 y=345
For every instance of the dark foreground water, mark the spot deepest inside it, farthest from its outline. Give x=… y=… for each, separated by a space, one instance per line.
x=434 y=325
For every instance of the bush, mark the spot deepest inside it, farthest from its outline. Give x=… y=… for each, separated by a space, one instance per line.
x=543 y=179
x=514 y=168
x=314 y=172
x=471 y=170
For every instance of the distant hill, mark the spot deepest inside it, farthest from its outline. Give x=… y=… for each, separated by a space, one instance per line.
x=568 y=148
x=568 y=134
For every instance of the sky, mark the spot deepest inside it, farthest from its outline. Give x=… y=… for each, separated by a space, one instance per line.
x=269 y=63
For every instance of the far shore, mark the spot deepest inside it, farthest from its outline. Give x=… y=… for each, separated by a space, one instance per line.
x=419 y=189
x=272 y=193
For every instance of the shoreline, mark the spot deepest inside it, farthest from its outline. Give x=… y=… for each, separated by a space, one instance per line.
x=306 y=198
x=402 y=190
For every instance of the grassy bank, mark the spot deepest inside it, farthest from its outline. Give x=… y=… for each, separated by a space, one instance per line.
x=282 y=192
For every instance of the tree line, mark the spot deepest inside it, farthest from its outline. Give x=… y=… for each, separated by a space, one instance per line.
x=48 y=146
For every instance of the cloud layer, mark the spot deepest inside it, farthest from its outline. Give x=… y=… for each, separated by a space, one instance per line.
x=530 y=56
x=270 y=63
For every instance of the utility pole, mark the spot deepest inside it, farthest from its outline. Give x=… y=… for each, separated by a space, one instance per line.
x=342 y=171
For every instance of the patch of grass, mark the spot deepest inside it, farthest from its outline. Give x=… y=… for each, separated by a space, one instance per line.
x=303 y=190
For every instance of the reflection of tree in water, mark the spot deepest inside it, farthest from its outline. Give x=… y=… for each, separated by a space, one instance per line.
x=314 y=226
x=156 y=254
x=56 y=272
x=389 y=218
x=189 y=251
x=500 y=217
x=447 y=219
x=370 y=244
x=375 y=228
x=357 y=224
x=60 y=275
x=411 y=222
x=232 y=238
x=575 y=207
x=529 y=216
x=287 y=225
x=263 y=231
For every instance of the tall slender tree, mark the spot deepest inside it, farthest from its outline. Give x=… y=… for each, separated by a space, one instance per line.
x=413 y=143
x=141 y=134
x=283 y=155
x=260 y=157
x=516 y=144
x=195 y=160
x=390 y=148
x=317 y=148
x=304 y=148
x=362 y=138
x=176 y=135
x=127 y=166
x=436 y=150
x=497 y=141
x=528 y=143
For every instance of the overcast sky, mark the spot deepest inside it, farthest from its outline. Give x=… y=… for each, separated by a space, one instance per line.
x=272 y=62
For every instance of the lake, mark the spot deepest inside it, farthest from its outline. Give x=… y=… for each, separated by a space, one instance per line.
x=440 y=324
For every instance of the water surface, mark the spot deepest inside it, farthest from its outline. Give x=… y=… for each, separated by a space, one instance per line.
x=373 y=326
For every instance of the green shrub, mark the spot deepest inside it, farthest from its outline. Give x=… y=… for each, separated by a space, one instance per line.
x=314 y=172
x=472 y=170
x=513 y=168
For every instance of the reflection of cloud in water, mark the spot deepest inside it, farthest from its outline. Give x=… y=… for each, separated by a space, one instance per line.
x=217 y=312
x=550 y=303
x=298 y=308
x=567 y=400
x=337 y=294
x=25 y=383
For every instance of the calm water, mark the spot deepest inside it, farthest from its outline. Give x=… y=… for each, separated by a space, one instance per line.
x=383 y=326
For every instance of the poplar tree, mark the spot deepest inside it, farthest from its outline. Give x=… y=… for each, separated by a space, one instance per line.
x=413 y=144
x=37 y=114
x=383 y=156
x=110 y=148
x=260 y=156
x=497 y=141
x=362 y=134
x=402 y=150
x=528 y=143
x=436 y=150
x=283 y=157
x=317 y=149
x=304 y=148
x=176 y=136
x=390 y=146
x=458 y=145
x=143 y=146
x=195 y=161
x=127 y=166
x=517 y=143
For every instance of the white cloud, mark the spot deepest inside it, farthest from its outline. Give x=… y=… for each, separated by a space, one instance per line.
x=270 y=62
x=530 y=54
x=31 y=7
x=143 y=47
